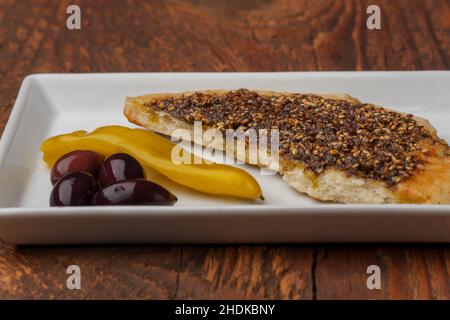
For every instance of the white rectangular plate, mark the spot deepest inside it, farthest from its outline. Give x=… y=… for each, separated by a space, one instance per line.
x=50 y=104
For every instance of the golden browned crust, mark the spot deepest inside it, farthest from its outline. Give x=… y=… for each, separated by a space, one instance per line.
x=429 y=184
x=432 y=183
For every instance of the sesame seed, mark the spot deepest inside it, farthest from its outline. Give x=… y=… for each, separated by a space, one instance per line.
x=360 y=135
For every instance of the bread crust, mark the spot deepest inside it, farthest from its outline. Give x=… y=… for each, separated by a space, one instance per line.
x=430 y=185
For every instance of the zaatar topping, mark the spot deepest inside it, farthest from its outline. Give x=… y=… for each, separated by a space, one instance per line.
x=361 y=139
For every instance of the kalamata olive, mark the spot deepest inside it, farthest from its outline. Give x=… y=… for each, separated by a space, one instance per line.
x=133 y=192
x=74 y=189
x=79 y=160
x=118 y=167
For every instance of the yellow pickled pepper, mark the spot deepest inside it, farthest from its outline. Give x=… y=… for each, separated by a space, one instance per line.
x=153 y=151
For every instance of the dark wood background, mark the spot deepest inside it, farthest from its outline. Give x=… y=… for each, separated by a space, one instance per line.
x=234 y=35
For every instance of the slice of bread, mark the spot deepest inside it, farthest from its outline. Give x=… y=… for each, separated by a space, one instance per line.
x=333 y=147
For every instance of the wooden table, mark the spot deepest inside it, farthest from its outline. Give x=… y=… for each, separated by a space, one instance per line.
x=206 y=35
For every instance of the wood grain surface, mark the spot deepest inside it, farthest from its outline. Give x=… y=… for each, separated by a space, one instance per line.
x=234 y=35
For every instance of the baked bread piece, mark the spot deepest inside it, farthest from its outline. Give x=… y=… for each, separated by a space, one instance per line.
x=332 y=147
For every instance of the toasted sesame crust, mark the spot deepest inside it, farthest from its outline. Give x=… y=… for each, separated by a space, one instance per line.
x=426 y=167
